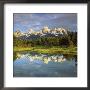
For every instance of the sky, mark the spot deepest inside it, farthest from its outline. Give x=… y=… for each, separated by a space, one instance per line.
x=36 y=21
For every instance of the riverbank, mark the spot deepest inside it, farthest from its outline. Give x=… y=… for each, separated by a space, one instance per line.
x=49 y=50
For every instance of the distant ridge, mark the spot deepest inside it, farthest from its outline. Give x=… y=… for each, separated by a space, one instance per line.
x=44 y=32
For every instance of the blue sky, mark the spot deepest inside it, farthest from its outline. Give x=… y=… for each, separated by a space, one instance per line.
x=37 y=21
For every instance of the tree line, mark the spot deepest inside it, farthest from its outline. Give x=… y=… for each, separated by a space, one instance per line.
x=64 y=41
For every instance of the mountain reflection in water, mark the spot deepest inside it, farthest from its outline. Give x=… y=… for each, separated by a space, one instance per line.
x=68 y=62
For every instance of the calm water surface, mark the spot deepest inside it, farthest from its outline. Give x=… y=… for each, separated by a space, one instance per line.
x=31 y=64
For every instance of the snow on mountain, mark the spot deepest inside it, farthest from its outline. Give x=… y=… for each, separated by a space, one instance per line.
x=31 y=34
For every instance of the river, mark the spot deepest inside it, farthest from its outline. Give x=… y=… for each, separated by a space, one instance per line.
x=32 y=64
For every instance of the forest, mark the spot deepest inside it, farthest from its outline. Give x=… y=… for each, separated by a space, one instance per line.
x=65 y=40
x=66 y=43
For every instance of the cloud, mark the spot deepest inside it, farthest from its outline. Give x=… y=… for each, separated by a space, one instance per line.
x=38 y=20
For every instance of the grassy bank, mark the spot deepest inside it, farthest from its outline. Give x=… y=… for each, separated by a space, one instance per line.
x=49 y=50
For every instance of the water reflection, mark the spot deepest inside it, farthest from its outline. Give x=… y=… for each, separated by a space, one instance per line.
x=44 y=57
x=32 y=64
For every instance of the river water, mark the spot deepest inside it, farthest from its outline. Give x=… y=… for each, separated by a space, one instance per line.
x=32 y=64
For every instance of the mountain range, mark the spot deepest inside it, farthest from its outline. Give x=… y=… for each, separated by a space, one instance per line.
x=45 y=32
